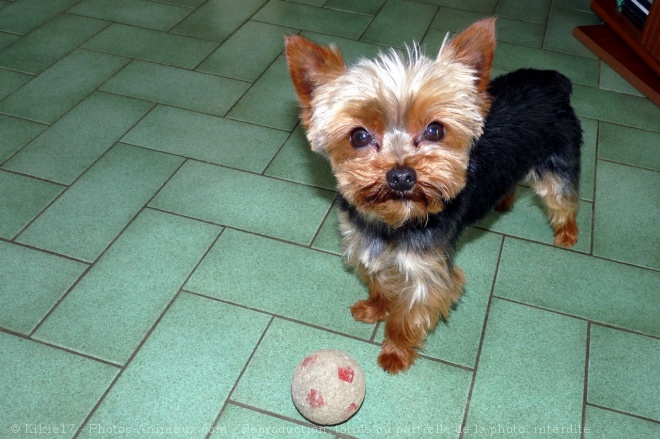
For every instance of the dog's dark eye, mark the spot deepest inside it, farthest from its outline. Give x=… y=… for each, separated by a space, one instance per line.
x=434 y=132
x=360 y=138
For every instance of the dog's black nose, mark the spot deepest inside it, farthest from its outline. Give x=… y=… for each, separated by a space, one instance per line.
x=401 y=179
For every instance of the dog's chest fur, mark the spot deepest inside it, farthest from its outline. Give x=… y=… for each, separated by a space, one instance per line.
x=401 y=265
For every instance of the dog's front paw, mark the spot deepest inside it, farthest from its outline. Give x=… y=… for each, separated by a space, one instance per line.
x=370 y=310
x=396 y=359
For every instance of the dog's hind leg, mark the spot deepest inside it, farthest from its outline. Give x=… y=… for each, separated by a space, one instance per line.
x=560 y=196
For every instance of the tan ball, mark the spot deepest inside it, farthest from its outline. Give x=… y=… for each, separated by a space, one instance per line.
x=328 y=387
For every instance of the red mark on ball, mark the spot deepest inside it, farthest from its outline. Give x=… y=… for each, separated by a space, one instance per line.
x=307 y=362
x=346 y=374
x=351 y=408
x=315 y=399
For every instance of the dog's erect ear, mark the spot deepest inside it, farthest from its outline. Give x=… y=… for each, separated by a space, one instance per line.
x=311 y=65
x=475 y=46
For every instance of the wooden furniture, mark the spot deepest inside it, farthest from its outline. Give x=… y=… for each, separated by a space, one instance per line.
x=632 y=53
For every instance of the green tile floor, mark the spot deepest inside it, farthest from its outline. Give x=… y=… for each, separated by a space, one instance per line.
x=169 y=248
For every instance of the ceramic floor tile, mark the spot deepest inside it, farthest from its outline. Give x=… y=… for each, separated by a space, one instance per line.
x=329 y=238
x=22 y=16
x=527 y=219
x=21 y=199
x=523 y=350
x=188 y=364
x=31 y=283
x=310 y=2
x=186 y=3
x=238 y=422
x=246 y=201
x=297 y=162
x=398 y=23
x=216 y=20
x=113 y=307
x=588 y=158
x=605 y=424
x=480 y=6
x=580 y=70
x=559 y=33
x=151 y=45
x=264 y=43
x=582 y=5
x=58 y=391
x=177 y=87
x=370 y=7
x=208 y=138
x=433 y=41
x=619 y=108
x=575 y=284
x=351 y=50
x=512 y=31
x=47 y=44
x=629 y=146
x=326 y=21
x=627 y=214
x=535 y=12
x=142 y=13
x=15 y=133
x=7 y=39
x=271 y=101
x=282 y=279
x=267 y=380
x=611 y=80
x=66 y=149
x=11 y=81
x=623 y=372
x=52 y=93
x=88 y=216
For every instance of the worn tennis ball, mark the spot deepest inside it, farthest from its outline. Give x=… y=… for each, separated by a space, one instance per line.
x=328 y=387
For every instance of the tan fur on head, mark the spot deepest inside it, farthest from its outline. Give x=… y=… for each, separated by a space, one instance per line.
x=395 y=99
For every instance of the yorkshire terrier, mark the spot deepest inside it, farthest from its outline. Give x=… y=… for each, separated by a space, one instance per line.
x=423 y=148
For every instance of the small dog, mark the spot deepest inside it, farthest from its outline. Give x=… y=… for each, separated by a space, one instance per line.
x=423 y=148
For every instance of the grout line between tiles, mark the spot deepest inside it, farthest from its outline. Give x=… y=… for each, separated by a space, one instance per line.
x=184 y=18
x=35 y=177
x=279 y=149
x=42 y=250
x=593 y=194
x=59 y=348
x=629 y=165
x=369 y=340
x=288 y=419
x=321 y=328
x=77 y=178
x=481 y=341
x=240 y=375
x=120 y=233
x=145 y=338
x=586 y=380
x=228 y=37
x=632 y=415
x=584 y=319
x=531 y=241
x=325 y=219
x=375 y=332
x=60 y=300
x=297 y=244
x=45 y=23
